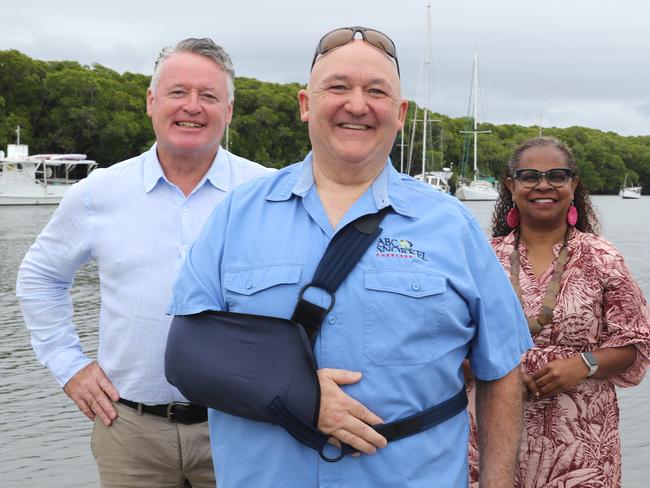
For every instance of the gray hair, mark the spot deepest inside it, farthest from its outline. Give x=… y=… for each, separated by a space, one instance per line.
x=203 y=47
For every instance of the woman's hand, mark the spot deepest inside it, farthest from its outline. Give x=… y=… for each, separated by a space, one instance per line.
x=559 y=376
x=530 y=390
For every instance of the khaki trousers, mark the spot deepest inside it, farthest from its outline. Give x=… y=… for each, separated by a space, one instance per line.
x=146 y=451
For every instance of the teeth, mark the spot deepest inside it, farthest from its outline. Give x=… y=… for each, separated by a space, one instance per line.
x=543 y=200
x=354 y=126
x=189 y=124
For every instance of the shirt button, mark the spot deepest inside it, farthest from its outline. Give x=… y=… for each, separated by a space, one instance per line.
x=185 y=209
x=249 y=284
x=331 y=319
x=415 y=286
x=185 y=248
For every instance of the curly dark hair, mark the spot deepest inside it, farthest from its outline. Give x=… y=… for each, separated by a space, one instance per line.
x=587 y=218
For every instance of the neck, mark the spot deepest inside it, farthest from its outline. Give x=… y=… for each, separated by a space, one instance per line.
x=338 y=188
x=185 y=170
x=534 y=237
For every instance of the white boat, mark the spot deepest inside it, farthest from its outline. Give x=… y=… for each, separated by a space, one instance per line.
x=438 y=180
x=629 y=191
x=41 y=179
x=479 y=188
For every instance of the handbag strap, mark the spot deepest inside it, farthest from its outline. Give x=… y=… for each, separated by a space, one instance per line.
x=342 y=254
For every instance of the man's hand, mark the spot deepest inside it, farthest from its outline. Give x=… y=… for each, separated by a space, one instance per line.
x=560 y=375
x=343 y=417
x=93 y=393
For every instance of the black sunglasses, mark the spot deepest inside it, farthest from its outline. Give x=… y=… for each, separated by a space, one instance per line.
x=344 y=35
x=557 y=177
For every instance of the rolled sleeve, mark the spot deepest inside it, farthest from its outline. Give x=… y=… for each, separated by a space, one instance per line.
x=45 y=277
x=502 y=330
x=627 y=321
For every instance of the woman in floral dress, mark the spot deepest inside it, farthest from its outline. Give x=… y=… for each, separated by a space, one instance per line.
x=583 y=308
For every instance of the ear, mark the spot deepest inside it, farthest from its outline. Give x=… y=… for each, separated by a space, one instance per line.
x=229 y=111
x=403 y=110
x=574 y=184
x=303 y=100
x=510 y=185
x=150 y=96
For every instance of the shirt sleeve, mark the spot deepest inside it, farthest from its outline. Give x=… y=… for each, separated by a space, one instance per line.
x=45 y=277
x=626 y=320
x=198 y=285
x=502 y=334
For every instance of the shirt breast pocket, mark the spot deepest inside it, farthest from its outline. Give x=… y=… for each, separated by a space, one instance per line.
x=403 y=311
x=264 y=290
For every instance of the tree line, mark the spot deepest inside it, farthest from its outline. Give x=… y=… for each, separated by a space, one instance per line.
x=63 y=106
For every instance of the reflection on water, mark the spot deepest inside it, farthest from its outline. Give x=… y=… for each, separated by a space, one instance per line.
x=46 y=441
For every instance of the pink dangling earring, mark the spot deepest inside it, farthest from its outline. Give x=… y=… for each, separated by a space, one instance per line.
x=572 y=215
x=512 y=217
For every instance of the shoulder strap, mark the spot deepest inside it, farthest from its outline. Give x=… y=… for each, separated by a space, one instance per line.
x=341 y=255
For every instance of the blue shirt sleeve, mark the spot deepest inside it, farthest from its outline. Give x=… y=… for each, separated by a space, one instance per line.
x=43 y=286
x=502 y=329
x=198 y=285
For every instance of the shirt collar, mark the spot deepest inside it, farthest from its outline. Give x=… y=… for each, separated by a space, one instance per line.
x=218 y=174
x=387 y=189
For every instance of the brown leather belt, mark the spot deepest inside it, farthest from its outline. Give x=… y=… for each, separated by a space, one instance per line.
x=180 y=412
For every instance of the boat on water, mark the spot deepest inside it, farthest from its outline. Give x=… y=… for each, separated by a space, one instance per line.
x=41 y=179
x=629 y=192
x=438 y=180
x=479 y=188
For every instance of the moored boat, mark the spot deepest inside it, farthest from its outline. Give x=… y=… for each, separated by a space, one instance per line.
x=41 y=179
x=629 y=192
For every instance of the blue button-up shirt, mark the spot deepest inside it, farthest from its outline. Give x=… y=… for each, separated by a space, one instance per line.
x=428 y=293
x=139 y=227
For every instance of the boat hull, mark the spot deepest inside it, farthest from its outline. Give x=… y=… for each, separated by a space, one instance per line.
x=476 y=193
x=630 y=193
x=32 y=194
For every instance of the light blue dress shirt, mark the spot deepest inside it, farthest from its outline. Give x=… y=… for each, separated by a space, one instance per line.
x=427 y=294
x=138 y=227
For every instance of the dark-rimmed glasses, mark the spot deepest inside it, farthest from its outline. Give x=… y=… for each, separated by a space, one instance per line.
x=530 y=178
x=344 y=35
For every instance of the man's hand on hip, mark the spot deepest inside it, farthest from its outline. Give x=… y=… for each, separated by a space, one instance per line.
x=342 y=416
x=93 y=393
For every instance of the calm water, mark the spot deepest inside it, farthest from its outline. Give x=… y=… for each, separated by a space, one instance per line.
x=45 y=440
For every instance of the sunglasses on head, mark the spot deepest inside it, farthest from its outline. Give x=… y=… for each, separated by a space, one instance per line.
x=344 y=35
x=530 y=178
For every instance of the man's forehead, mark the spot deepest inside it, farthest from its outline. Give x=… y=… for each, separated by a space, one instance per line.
x=355 y=55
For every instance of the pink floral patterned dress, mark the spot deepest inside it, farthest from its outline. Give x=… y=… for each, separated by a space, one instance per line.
x=572 y=439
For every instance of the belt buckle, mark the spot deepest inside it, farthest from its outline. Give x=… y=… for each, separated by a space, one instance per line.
x=170 y=409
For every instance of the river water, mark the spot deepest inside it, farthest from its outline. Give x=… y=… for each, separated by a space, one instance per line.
x=45 y=441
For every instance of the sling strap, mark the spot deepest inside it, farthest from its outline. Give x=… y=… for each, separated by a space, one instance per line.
x=341 y=255
x=308 y=435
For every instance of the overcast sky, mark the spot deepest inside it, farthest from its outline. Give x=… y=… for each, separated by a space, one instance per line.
x=568 y=62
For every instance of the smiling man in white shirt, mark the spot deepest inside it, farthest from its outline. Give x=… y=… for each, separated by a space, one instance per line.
x=137 y=219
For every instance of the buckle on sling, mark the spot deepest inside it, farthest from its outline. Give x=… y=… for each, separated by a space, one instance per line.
x=170 y=409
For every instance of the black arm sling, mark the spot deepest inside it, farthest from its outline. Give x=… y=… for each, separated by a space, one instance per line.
x=263 y=368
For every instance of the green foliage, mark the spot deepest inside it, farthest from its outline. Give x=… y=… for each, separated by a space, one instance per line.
x=63 y=106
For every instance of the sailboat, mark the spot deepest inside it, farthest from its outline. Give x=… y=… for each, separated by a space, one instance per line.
x=438 y=180
x=629 y=191
x=479 y=188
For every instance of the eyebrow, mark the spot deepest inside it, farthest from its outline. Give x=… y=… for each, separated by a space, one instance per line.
x=340 y=77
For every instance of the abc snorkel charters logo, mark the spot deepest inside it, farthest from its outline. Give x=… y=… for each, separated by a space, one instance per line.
x=388 y=247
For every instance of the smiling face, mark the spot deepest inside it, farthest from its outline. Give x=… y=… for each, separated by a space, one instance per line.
x=189 y=108
x=543 y=205
x=353 y=106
